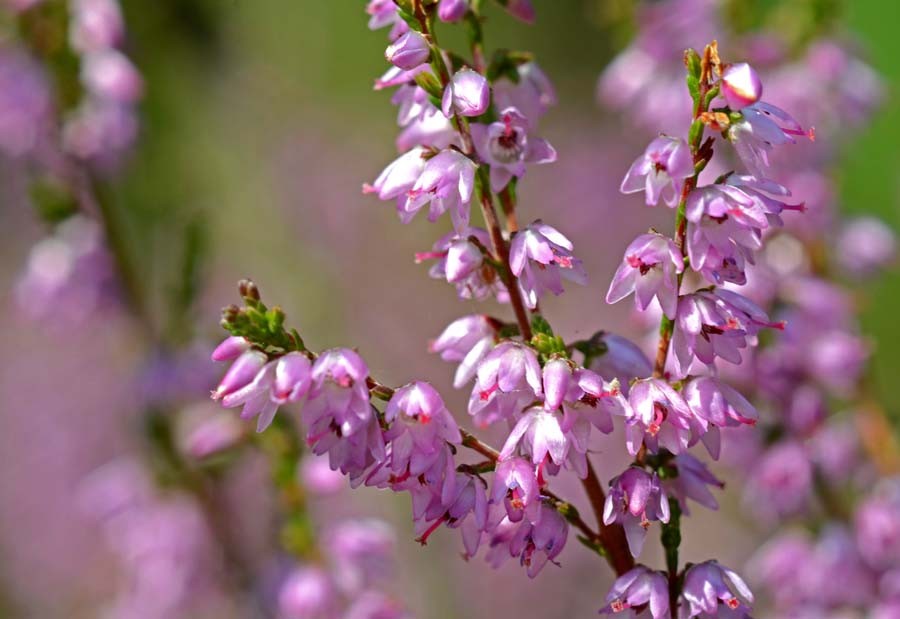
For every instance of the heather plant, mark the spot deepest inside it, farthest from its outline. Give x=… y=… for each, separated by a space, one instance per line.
x=757 y=357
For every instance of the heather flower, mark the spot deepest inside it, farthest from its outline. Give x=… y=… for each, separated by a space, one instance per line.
x=660 y=171
x=591 y=398
x=521 y=9
x=375 y=605
x=467 y=340
x=767 y=195
x=318 y=478
x=762 y=128
x=241 y=373
x=111 y=76
x=539 y=433
x=26 y=103
x=395 y=76
x=740 y=85
x=540 y=256
x=717 y=323
x=96 y=25
x=506 y=146
x=635 y=498
x=650 y=268
x=777 y=566
x=622 y=360
x=516 y=485
x=254 y=396
x=421 y=426
x=865 y=246
x=638 y=588
x=780 y=483
x=467 y=496
x=719 y=406
x=660 y=418
x=467 y=94
x=363 y=553
x=877 y=524
x=452 y=10
x=692 y=483
x=446 y=182
x=532 y=95
x=292 y=378
x=534 y=543
x=399 y=177
x=307 y=593
x=408 y=51
x=709 y=586
x=384 y=13
x=460 y=261
x=212 y=435
x=100 y=131
x=507 y=380
x=230 y=348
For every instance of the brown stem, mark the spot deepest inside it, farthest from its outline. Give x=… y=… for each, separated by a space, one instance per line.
x=509 y=209
x=612 y=537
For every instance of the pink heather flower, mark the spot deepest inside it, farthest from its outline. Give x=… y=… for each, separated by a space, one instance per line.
x=767 y=195
x=467 y=340
x=230 y=348
x=110 y=75
x=709 y=586
x=399 y=177
x=650 y=268
x=660 y=171
x=460 y=261
x=241 y=373
x=212 y=436
x=507 y=380
x=720 y=406
x=877 y=524
x=408 y=51
x=318 y=478
x=534 y=543
x=762 y=128
x=446 y=182
x=376 y=605
x=307 y=593
x=506 y=146
x=466 y=497
x=363 y=553
x=516 y=486
x=692 y=483
x=660 y=418
x=520 y=9
x=452 y=10
x=532 y=95
x=538 y=433
x=420 y=427
x=26 y=103
x=292 y=378
x=865 y=246
x=384 y=13
x=338 y=397
x=638 y=588
x=716 y=323
x=740 y=86
x=395 y=76
x=635 y=499
x=255 y=396
x=96 y=25
x=540 y=256
x=467 y=94
x=781 y=481
x=590 y=398
x=623 y=360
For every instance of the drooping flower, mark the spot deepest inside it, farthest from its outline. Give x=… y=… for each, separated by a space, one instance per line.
x=660 y=418
x=692 y=483
x=452 y=10
x=661 y=171
x=399 y=176
x=338 y=396
x=230 y=348
x=720 y=406
x=637 y=588
x=446 y=183
x=650 y=269
x=877 y=523
x=516 y=486
x=507 y=147
x=95 y=25
x=534 y=543
x=292 y=378
x=781 y=481
x=467 y=340
x=507 y=380
x=532 y=95
x=635 y=499
x=460 y=261
x=409 y=51
x=538 y=433
x=307 y=593
x=241 y=373
x=762 y=128
x=709 y=586
x=740 y=86
x=622 y=360
x=540 y=256
x=384 y=13
x=468 y=93
x=363 y=553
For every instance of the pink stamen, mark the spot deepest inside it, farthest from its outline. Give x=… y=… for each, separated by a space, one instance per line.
x=429 y=255
x=618 y=606
x=732 y=603
x=423 y=539
x=563 y=261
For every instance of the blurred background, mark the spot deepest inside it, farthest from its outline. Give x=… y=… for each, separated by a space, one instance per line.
x=257 y=128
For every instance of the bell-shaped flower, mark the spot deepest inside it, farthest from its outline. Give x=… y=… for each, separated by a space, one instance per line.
x=230 y=348
x=740 y=86
x=720 y=406
x=467 y=340
x=650 y=269
x=712 y=590
x=460 y=261
x=532 y=95
x=452 y=10
x=661 y=171
x=507 y=147
x=692 y=482
x=292 y=378
x=516 y=486
x=534 y=543
x=399 y=177
x=446 y=183
x=468 y=93
x=408 y=51
x=660 y=418
x=540 y=256
x=635 y=499
x=639 y=588
x=762 y=127
x=507 y=380
x=307 y=593
x=242 y=372
x=338 y=397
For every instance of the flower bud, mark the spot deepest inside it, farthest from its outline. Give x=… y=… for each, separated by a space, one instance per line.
x=467 y=94
x=741 y=86
x=463 y=259
x=409 y=51
x=292 y=378
x=112 y=76
x=230 y=348
x=452 y=10
x=241 y=373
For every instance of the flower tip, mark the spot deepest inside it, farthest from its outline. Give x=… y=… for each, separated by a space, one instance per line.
x=367 y=188
x=811 y=134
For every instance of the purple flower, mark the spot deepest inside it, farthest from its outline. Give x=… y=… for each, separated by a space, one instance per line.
x=720 y=406
x=691 y=483
x=507 y=380
x=307 y=593
x=338 y=396
x=780 y=483
x=96 y=25
x=650 y=268
x=717 y=323
x=762 y=128
x=362 y=552
x=375 y=605
x=660 y=417
x=467 y=496
x=446 y=182
x=532 y=95
x=292 y=378
x=409 y=51
x=534 y=543
x=399 y=177
x=467 y=94
x=521 y=9
x=241 y=373
x=637 y=588
x=865 y=246
x=452 y=10
x=539 y=256
x=540 y=434
x=740 y=86
x=506 y=146
x=516 y=485
x=460 y=261
x=708 y=586
x=421 y=426
x=110 y=75
x=395 y=76
x=230 y=348
x=467 y=340
x=665 y=165
x=26 y=103
x=384 y=13
x=778 y=567
x=623 y=360
x=635 y=499
x=877 y=523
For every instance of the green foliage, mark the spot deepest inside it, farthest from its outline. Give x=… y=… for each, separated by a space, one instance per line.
x=258 y=324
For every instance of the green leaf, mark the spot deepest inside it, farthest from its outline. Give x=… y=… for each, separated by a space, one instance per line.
x=539 y=324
